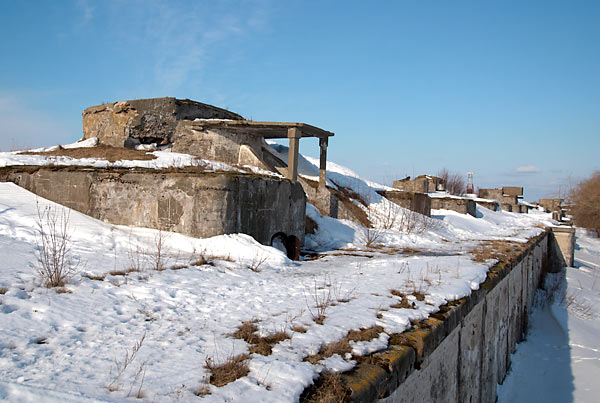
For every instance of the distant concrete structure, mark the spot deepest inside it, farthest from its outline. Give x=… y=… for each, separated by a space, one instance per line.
x=198 y=129
x=417 y=202
x=551 y=204
x=463 y=205
x=509 y=198
x=420 y=184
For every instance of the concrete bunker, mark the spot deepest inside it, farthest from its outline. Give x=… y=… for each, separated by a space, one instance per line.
x=186 y=200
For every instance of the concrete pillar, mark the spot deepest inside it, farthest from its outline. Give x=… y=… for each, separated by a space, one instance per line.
x=565 y=245
x=294 y=135
x=323 y=142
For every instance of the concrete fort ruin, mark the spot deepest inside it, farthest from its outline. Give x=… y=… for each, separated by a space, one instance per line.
x=187 y=200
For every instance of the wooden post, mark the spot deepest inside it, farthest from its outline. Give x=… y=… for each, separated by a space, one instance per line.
x=294 y=135
x=323 y=142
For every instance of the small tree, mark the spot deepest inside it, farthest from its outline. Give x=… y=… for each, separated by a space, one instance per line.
x=56 y=263
x=453 y=182
x=585 y=199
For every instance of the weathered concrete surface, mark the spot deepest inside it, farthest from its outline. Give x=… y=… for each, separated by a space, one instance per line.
x=191 y=203
x=417 y=202
x=564 y=249
x=460 y=205
x=462 y=352
x=145 y=121
x=551 y=204
x=420 y=184
x=437 y=380
x=492 y=204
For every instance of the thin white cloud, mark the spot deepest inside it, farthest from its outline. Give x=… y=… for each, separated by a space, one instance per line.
x=527 y=169
x=181 y=39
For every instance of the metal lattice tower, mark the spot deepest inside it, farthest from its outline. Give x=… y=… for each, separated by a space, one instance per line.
x=470 y=186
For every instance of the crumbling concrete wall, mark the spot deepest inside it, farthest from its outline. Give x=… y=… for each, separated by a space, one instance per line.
x=551 y=204
x=418 y=185
x=508 y=197
x=214 y=144
x=417 y=202
x=462 y=352
x=195 y=204
x=492 y=205
x=460 y=205
x=145 y=121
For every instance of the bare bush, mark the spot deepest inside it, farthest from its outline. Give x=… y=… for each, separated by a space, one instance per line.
x=56 y=263
x=121 y=366
x=453 y=182
x=585 y=198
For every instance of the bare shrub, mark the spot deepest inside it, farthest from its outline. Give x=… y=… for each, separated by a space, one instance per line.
x=319 y=297
x=3 y=290
x=234 y=367
x=121 y=366
x=257 y=261
x=453 y=182
x=160 y=253
x=56 y=263
x=585 y=199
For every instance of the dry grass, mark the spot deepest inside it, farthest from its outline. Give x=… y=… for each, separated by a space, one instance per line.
x=99 y=277
x=342 y=347
x=63 y=290
x=262 y=345
x=499 y=250
x=328 y=389
x=232 y=369
x=299 y=329
x=3 y=290
x=109 y=153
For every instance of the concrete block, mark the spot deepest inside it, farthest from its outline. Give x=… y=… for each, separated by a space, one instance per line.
x=436 y=382
x=471 y=353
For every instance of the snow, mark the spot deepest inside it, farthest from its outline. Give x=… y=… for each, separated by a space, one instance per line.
x=164 y=159
x=560 y=360
x=68 y=346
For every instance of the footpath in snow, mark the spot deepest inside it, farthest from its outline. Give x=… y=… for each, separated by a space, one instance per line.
x=560 y=360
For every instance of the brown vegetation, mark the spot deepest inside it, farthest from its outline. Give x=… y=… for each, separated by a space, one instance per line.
x=328 y=389
x=585 y=199
x=342 y=347
x=453 y=182
x=109 y=153
x=262 y=345
x=232 y=369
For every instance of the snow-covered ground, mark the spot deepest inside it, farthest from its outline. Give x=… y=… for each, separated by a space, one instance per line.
x=73 y=345
x=560 y=360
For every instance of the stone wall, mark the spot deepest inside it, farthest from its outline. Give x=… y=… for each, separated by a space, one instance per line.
x=460 y=205
x=191 y=203
x=461 y=353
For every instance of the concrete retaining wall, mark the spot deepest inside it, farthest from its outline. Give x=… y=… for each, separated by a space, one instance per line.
x=460 y=205
x=461 y=353
x=191 y=203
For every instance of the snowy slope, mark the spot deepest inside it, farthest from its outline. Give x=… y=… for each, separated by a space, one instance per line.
x=69 y=346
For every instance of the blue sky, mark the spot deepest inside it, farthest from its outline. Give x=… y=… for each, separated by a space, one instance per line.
x=509 y=90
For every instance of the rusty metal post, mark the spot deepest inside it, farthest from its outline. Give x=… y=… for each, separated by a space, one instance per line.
x=323 y=142
x=294 y=135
